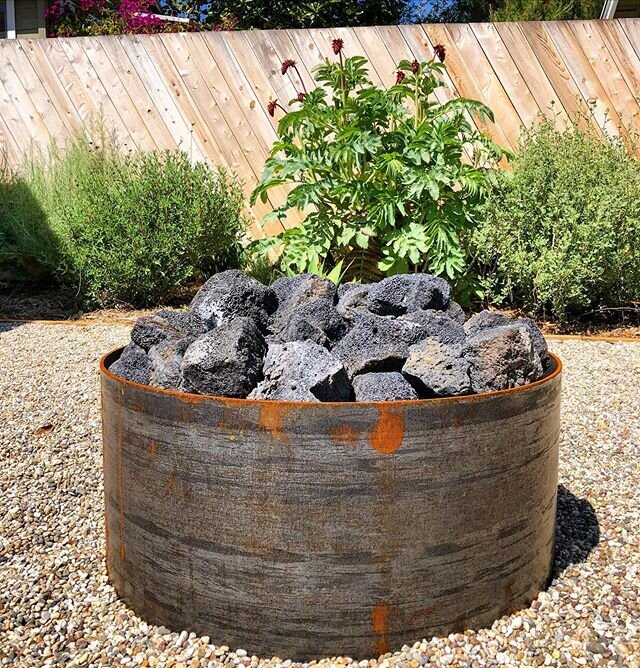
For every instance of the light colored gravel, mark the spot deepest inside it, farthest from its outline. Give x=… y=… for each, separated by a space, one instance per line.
x=57 y=607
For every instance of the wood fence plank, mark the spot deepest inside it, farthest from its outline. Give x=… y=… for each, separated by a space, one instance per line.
x=158 y=88
x=507 y=72
x=532 y=72
x=606 y=72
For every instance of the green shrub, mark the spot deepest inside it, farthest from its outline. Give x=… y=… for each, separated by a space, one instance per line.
x=120 y=228
x=562 y=232
x=390 y=179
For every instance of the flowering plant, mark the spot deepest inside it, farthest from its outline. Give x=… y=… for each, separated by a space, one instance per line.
x=391 y=179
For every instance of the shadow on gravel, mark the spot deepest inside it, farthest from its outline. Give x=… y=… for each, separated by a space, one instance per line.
x=8 y=326
x=577 y=530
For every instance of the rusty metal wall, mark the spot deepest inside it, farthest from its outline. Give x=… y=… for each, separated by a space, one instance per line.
x=306 y=530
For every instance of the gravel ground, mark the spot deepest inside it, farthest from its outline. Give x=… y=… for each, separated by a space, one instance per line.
x=57 y=607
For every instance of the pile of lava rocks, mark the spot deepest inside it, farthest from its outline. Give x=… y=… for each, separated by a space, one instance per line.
x=304 y=339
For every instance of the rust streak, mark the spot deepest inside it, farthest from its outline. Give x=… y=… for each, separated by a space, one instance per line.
x=153 y=450
x=380 y=624
x=344 y=434
x=171 y=484
x=271 y=418
x=120 y=483
x=387 y=435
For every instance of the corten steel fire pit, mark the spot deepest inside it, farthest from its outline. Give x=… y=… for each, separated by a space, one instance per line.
x=311 y=529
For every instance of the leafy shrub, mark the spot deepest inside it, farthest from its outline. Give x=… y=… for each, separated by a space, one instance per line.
x=121 y=228
x=562 y=232
x=381 y=173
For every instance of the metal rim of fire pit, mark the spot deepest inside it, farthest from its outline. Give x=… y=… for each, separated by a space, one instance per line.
x=109 y=358
x=310 y=529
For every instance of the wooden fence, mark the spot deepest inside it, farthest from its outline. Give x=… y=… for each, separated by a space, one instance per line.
x=207 y=92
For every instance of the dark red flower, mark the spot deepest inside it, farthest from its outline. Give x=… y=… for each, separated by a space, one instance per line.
x=337 y=45
x=271 y=107
x=300 y=97
x=400 y=75
x=439 y=51
x=287 y=64
x=415 y=66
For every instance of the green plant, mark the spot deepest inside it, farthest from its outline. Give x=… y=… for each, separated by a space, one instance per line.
x=562 y=231
x=120 y=228
x=390 y=179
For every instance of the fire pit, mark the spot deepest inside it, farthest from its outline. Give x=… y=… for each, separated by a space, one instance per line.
x=304 y=529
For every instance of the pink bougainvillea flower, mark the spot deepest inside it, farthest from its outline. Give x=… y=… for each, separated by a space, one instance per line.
x=400 y=75
x=337 y=45
x=439 y=51
x=286 y=64
x=271 y=107
x=415 y=66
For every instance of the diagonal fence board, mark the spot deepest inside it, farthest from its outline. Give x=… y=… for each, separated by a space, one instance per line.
x=207 y=93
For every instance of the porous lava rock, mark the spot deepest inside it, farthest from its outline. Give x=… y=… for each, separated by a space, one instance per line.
x=133 y=364
x=166 y=362
x=230 y=295
x=151 y=330
x=303 y=339
x=437 y=325
x=377 y=344
x=404 y=293
x=227 y=361
x=382 y=386
x=501 y=357
x=302 y=371
x=317 y=321
x=437 y=369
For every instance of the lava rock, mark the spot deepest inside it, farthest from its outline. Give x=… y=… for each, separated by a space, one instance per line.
x=151 y=330
x=382 y=386
x=294 y=291
x=485 y=320
x=229 y=295
x=437 y=369
x=377 y=344
x=227 y=361
x=455 y=312
x=166 y=359
x=404 y=293
x=538 y=340
x=353 y=299
x=302 y=371
x=437 y=325
x=317 y=321
x=501 y=357
x=177 y=319
x=133 y=364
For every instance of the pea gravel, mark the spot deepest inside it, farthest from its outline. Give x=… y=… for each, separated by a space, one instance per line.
x=58 y=609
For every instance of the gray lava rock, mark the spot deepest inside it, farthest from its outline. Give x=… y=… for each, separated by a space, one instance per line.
x=166 y=358
x=485 y=320
x=151 y=330
x=404 y=293
x=353 y=299
x=229 y=295
x=318 y=321
x=133 y=364
x=383 y=386
x=227 y=361
x=437 y=369
x=538 y=340
x=294 y=291
x=302 y=371
x=377 y=344
x=177 y=319
x=455 y=312
x=437 y=325
x=502 y=357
